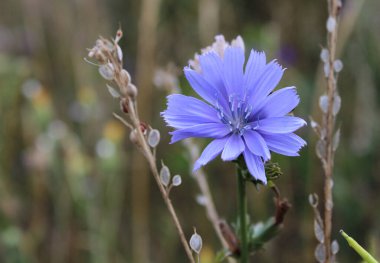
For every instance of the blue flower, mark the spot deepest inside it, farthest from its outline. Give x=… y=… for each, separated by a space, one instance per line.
x=241 y=113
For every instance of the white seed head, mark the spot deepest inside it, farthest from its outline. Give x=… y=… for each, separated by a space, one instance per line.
x=324 y=103
x=334 y=247
x=318 y=231
x=177 y=180
x=313 y=200
x=320 y=253
x=201 y=200
x=119 y=53
x=107 y=71
x=338 y=65
x=336 y=140
x=196 y=242
x=114 y=93
x=321 y=149
x=314 y=124
x=165 y=175
x=324 y=55
x=331 y=24
x=326 y=69
x=154 y=138
x=337 y=104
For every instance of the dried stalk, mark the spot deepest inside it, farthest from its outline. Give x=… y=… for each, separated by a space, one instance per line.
x=329 y=122
x=109 y=55
x=144 y=147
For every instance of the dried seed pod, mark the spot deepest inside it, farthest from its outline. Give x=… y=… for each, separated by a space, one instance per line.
x=107 y=71
x=114 y=93
x=153 y=138
x=132 y=91
x=334 y=247
x=177 y=180
x=331 y=24
x=133 y=136
x=119 y=53
x=196 y=242
x=324 y=55
x=320 y=253
x=125 y=79
x=338 y=65
x=165 y=175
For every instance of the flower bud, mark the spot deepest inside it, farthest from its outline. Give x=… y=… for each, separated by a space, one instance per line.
x=143 y=127
x=124 y=105
x=119 y=35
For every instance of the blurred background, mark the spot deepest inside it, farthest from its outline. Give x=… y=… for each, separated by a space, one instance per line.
x=72 y=186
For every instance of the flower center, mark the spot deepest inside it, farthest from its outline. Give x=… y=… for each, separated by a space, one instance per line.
x=237 y=117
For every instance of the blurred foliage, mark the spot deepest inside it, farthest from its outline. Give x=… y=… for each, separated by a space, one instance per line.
x=65 y=166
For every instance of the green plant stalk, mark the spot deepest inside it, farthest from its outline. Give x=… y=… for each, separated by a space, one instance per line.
x=242 y=211
x=358 y=248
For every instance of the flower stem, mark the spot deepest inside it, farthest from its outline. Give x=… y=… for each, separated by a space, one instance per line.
x=359 y=249
x=242 y=211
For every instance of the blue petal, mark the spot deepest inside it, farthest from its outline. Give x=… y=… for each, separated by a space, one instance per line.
x=210 y=152
x=286 y=144
x=201 y=86
x=184 y=111
x=206 y=130
x=255 y=166
x=269 y=79
x=233 y=63
x=285 y=124
x=255 y=65
x=211 y=65
x=279 y=103
x=233 y=148
x=256 y=144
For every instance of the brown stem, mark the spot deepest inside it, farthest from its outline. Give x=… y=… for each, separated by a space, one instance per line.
x=333 y=9
x=153 y=167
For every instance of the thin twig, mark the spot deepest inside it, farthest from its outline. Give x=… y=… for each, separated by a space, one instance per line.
x=333 y=10
x=109 y=55
x=153 y=167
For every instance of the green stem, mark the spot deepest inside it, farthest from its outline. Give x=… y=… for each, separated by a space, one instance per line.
x=358 y=248
x=242 y=210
